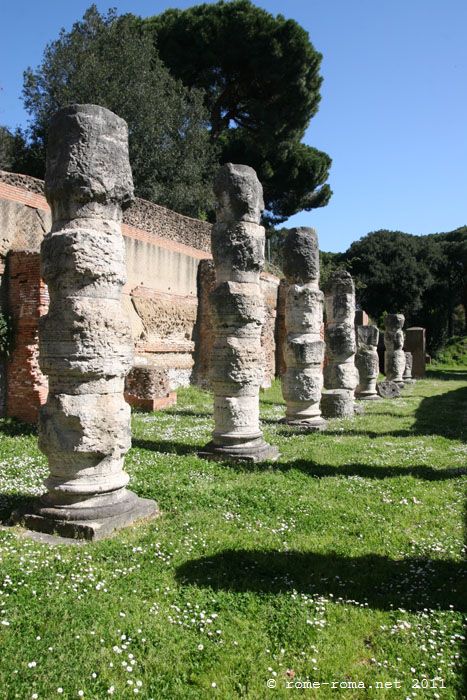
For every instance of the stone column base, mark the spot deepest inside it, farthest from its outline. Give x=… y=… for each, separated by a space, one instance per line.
x=338 y=403
x=134 y=509
x=306 y=425
x=367 y=397
x=257 y=451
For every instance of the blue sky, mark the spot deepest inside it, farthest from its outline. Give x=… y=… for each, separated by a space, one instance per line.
x=393 y=114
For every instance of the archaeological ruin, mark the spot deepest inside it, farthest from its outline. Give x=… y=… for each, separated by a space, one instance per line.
x=367 y=363
x=407 y=375
x=340 y=373
x=238 y=313
x=394 y=356
x=86 y=347
x=302 y=380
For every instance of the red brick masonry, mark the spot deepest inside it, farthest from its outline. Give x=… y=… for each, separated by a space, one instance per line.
x=28 y=299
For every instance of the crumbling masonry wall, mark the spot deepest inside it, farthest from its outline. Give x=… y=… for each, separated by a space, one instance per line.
x=167 y=316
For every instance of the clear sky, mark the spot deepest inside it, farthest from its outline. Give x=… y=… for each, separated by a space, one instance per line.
x=393 y=114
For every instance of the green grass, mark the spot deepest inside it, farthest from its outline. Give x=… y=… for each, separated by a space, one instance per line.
x=340 y=563
x=453 y=354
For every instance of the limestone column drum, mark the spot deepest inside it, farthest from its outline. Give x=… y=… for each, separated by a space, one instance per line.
x=85 y=341
x=407 y=376
x=302 y=381
x=340 y=373
x=238 y=314
x=367 y=363
x=394 y=356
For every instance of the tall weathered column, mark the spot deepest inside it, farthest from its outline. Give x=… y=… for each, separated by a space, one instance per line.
x=394 y=356
x=367 y=362
x=407 y=375
x=238 y=314
x=85 y=346
x=340 y=373
x=302 y=381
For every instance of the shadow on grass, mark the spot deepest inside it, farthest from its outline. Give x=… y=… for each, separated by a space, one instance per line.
x=447 y=374
x=374 y=580
x=188 y=412
x=11 y=502
x=445 y=415
x=365 y=471
x=165 y=446
x=16 y=428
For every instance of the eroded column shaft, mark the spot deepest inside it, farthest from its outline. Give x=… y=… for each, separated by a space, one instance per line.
x=367 y=362
x=237 y=365
x=394 y=355
x=302 y=381
x=85 y=340
x=340 y=374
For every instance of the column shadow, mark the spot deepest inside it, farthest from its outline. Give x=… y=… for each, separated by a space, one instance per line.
x=377 y=581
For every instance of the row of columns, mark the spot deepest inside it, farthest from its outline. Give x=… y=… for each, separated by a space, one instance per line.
x=86 y=347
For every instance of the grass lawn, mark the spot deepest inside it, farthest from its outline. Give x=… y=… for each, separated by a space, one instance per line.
x=341 y=564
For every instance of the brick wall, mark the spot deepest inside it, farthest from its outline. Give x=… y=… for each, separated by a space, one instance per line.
x=28 y=299
x=145 y=216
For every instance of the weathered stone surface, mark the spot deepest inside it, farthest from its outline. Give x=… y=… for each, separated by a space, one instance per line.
x=301 y=256
x=415 y=342
x=239 y=194
x=407 y=376
x=87 y=164
x=388 y=390
x=303 y=349
x=237 y=307
x=340 y=373
x=394 y=356
x=367 y=362
x=85 y=340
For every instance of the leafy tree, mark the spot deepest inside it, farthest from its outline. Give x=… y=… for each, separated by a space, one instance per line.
x=261 y=82
x=109 y=60
x=449 y=287
x=392 y=270
x=7 y=141
x=424 y=277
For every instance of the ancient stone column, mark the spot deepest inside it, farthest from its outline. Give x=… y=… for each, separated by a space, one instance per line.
x=394 y=356
x=407 y=376
x=367 y=362
x=85 y=341
x=302 y=381
x=237 y=364
x=340 y=373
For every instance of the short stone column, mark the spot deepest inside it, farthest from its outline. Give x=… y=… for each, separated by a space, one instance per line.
x=237 y=365
x=302 y=381
x=85 y=341
x=407 y=376
x=367 y=363
x=340 y=373
x=394 y=356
